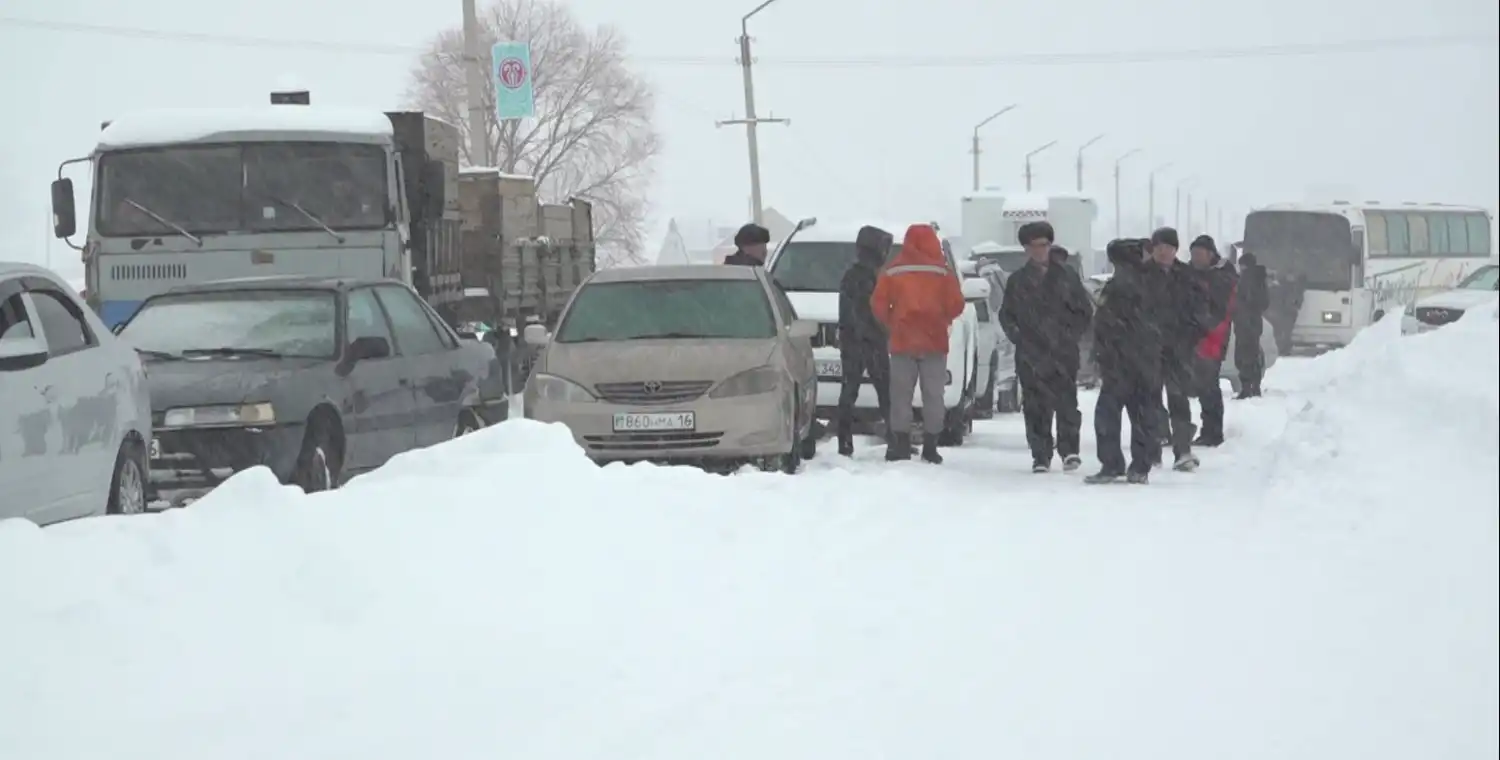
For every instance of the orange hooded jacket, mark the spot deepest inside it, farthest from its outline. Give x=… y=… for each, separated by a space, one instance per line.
x=917 y=296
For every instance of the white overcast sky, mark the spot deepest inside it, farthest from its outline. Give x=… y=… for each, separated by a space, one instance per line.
x=880 y=139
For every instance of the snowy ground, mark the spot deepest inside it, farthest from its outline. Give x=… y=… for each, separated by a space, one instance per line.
x=1325 y=587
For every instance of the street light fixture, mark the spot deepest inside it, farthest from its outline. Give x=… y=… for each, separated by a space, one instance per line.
x=1118 y=161
x=1151 y=192
x=977 y=127
x=1081 y=149
x=1028 y=162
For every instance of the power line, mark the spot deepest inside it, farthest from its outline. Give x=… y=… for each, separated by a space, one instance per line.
x=862 y=62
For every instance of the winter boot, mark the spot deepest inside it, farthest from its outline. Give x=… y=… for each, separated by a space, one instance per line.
x=1186 y=463
x=846 y=439
x=1209 y=441
x=898 y=447
x=1138 y=478
x=1072 y=462
x=1102 y=477
x=930 y=450
x=1039 y=466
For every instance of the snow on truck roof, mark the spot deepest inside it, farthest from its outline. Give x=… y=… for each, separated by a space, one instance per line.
x=207 y=125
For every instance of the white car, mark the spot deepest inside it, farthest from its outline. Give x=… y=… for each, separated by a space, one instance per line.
x=808 y=266
x=75 y=421
x=999 y=390
x=1434 y=311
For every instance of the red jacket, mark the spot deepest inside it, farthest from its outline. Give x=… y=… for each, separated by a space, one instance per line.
x=1216 y=342
x=917 y=296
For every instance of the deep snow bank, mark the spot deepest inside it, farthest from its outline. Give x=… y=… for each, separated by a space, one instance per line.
x=1325 y=587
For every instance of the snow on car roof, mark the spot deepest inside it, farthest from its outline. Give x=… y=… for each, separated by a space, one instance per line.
x=186 y=125
x=841 y=232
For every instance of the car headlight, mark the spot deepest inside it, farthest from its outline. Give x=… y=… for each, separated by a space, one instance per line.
x=1332 y=318
x=226 y=414
x=748 y=383
x=559 y=390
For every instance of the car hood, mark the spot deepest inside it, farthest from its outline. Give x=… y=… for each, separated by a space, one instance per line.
x=640 y=360
x=1457 y=299
x=818 y=307
x=206 y=382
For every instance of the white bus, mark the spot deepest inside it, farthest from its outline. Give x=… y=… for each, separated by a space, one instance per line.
x=1356 y=262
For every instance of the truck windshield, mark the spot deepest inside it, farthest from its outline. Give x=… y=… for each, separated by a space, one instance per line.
x=1313 y=247
x=236 y=323
x=668 y=309
x=252 y=187
x=815 y=267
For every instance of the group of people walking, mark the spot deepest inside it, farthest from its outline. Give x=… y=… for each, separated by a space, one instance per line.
x=1161 y=331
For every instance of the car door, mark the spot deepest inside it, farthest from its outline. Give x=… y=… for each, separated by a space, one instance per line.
x=83 y=386
x=798 y=351
x=379 y=397
x=30 y=478
x=439 y=384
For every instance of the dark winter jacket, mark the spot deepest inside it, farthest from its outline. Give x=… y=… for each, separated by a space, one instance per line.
x=857 y=323
x=1219 y=282
x=742 y=259
x=1127 y=325
x=1253 y=299
x=1186 y=317
x=1045 y=315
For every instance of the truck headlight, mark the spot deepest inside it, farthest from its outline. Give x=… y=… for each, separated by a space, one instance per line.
x=748 y=383
x=226 y=414
x=559 y=390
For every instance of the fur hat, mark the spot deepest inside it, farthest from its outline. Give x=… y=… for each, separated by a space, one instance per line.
x=1033 y=231
x=1165 y=235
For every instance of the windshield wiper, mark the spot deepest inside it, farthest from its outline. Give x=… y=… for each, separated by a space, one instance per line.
x=310 y=216
x=668 y=335
x=166 y=222
x=233 y=351
x=163 y=355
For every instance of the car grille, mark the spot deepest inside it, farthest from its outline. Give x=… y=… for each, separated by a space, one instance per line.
x=646 y=443
x=827 y=337
x=1436 y=316
x=652 y=391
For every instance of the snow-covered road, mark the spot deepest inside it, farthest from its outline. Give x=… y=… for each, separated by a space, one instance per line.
x=1324 y=587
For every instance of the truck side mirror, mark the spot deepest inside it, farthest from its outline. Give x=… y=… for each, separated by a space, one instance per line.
x=64 y=215
x=434 y=188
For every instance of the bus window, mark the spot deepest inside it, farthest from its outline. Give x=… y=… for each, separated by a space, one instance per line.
x=1458 y=235
x=1437 y=231
x=1375 y=234
x=1396 y=234
x=1418 y=227
x=1479 y=235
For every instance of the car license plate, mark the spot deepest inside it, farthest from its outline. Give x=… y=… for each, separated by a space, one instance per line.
x=829 y=368
x=155 y=449
x=654 y=422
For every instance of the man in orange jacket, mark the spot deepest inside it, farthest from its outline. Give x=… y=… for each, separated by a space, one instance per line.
x=916 y=298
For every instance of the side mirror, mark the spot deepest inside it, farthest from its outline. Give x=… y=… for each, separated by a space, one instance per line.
x=22 y=353
x=368 y=347
x=434 y=188
x=535 y=335
x=802 y=328
x=64 y=215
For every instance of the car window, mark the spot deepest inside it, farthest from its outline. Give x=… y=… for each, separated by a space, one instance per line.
x=415 y=333
x=783 y=304
x=14 y=322
x=62 y=323
x=367 y=317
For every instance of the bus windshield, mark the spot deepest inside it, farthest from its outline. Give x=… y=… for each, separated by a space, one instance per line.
x=251 y=187
x=1316 y=248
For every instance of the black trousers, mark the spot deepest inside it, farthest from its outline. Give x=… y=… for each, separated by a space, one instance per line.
x=1176 y=417
x=1046 y=396
x=1210 y=396
x=860 y=361
x=1139 y=399
x=1249 y=360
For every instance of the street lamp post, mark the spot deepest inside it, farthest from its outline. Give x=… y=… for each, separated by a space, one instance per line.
x=751 y=121
x=1118 y=161
x=475 y=78
x=1177 y=201
x=1151 y=193
x=1028 y=162
x=975 y=148
x=1081 y=149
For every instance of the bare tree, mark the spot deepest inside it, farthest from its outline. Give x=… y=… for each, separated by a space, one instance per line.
x=592 y=137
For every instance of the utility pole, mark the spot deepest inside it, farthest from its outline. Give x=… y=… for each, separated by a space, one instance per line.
x=1177 y=203
x=1151 y=192
x=476 y=82
x=1081 y=149
x=751 y=121
x=975 y=148
x=1028 y=162
x=1118 y=161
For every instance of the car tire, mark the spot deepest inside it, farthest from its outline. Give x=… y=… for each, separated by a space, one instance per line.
x=469 y=421
x=128 y=484
x=318 y=463
x=1009 y=400
x=987 y=401
x=791 y=461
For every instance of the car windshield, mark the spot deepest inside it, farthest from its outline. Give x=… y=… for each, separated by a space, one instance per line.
x=816 y=267
x=1484 y=278
x=239 y=322
x=254 y=187
x=726 y=309
x=1313 y=247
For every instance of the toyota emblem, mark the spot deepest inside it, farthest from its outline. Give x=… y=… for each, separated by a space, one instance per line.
x=653 y=387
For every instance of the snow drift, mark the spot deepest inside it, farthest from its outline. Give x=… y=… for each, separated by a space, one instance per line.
x=1324 y=588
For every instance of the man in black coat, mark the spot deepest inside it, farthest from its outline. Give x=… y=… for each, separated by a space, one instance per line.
x=1249 y=325
x=1182 y=326
x=863 y=345
x=750 y=245
x=1220 y=284
x=1128 y=351
x=1045 y=314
